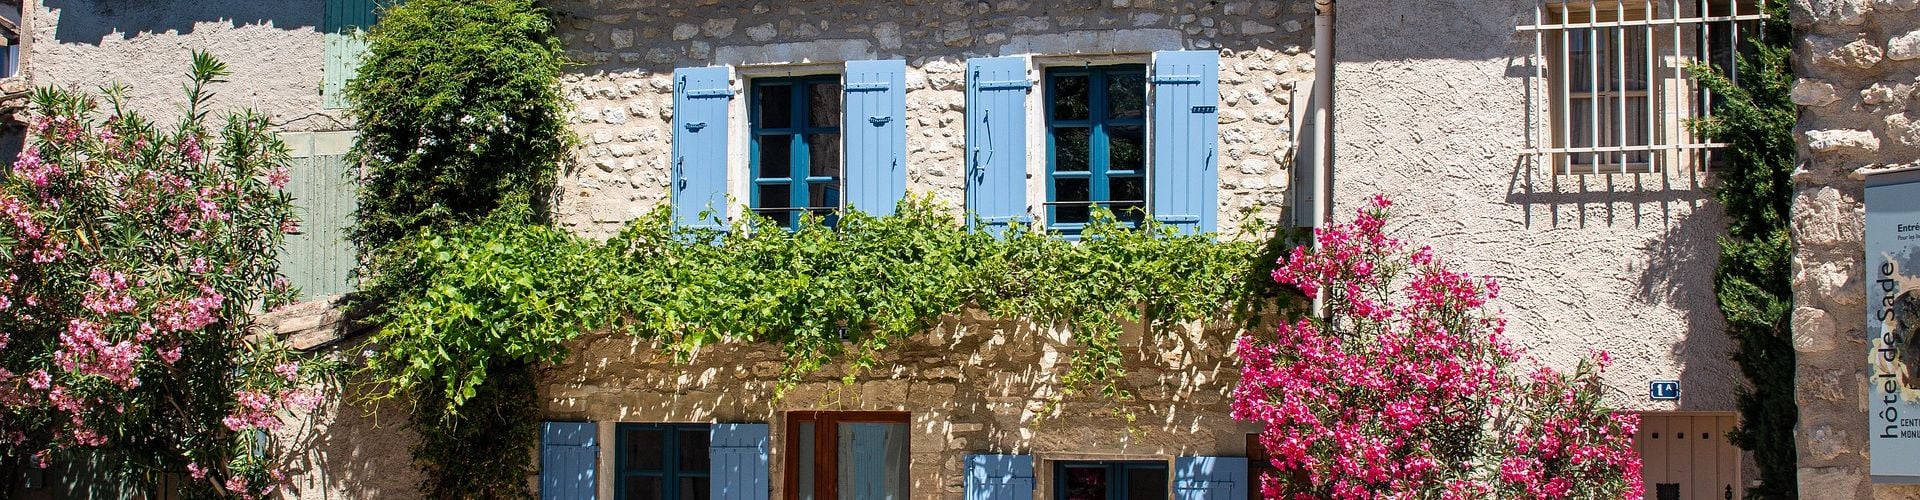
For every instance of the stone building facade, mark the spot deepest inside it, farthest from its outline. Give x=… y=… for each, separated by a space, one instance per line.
x=1859 y=115
x=1437 y=104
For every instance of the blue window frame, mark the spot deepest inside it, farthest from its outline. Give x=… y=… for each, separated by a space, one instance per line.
x=1096 y=144
x=796 y=167
x=1110 y=480
x=663 y=462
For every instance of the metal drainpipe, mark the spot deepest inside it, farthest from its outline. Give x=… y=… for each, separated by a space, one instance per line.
x=1323 y=126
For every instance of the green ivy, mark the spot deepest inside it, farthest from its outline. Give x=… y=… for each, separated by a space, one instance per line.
x=460 y=113
x=1753 y=283
x=505 y=290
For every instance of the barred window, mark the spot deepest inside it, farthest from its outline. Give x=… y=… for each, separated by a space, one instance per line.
x=1611 y=91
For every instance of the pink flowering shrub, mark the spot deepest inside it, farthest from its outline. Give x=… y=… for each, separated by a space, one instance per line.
x=1407 y=389
x=135 y=255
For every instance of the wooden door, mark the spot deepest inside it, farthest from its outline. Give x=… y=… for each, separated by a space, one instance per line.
x=1686 y=456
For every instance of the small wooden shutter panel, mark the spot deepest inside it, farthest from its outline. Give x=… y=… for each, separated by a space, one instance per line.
x=999 y=477
x=344 y=46
x=875 y=127
x=319 y=259
x=738 y=453
x=997 y=142
x=569 y=453
x=1210 y=478
x=1186 y=131
x=700 y=100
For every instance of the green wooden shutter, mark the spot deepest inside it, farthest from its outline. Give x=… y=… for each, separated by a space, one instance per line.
x=346 y=22
x=318 y=259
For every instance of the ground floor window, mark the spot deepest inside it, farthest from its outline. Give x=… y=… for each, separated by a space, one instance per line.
x=853 y=455
x=1109 y=480
x=662 y=462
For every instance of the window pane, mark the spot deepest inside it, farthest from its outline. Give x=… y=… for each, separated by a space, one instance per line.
x=775 y=196
x=824 y=195
x=776 y=156
x=1126 y=148
x=873 y=461
x=642 y=488
x=1070 y=100
x=1146 y=483
x=1124 y=189
x=823 y=104
x=1071 y=147
x=693 y=450
x=823 y=155
x=1086 y=483
x=644 y=451
x=695 y=488
x=1071 y=190
x=1126 y=94
x=805 y=454
x=776 y=106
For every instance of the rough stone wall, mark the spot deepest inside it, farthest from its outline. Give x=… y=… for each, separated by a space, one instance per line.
x=974 y=384
x=623 y=96
x=272 y=47
x=1622 y=263
x=1858 y=64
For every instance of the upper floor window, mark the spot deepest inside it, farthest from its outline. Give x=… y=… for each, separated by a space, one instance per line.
x=1096 y=144
x=1618 y=88
x=1110 y=480
x=795 y=165
x=663 y=462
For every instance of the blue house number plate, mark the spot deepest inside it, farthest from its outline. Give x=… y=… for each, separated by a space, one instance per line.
x=1664 y=390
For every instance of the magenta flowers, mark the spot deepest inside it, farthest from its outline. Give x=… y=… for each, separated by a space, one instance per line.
x=1407 y=389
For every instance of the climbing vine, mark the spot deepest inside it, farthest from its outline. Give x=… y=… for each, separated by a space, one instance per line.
x=1753 y=281
x=460 y=116
x=505 y=290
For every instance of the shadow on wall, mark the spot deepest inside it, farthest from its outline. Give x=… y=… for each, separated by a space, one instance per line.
x=94 y=21
x=1679 y=274
x=1660 y=199
x=351 y=449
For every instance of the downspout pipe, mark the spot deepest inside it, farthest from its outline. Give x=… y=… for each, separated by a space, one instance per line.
x=1323 y=127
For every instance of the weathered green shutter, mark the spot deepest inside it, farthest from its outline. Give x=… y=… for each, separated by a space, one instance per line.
x=318 y=259
x=346 y=21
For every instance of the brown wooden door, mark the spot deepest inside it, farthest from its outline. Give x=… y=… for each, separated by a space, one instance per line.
x=1686 y=456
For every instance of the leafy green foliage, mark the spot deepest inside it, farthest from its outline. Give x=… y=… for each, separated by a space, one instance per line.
x=459 y=111
x=509 y=291
x=1753 y=282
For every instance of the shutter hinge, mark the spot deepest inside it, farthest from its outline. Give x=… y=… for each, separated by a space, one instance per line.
x=710 y=93
x=864 y=86
x=1177 y=219
x=1005 y=84
x=1177 y=79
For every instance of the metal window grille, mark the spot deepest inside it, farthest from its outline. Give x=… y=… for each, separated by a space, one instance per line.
x=1611 y=91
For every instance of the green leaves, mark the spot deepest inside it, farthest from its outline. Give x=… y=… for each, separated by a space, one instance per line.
x=507 y=290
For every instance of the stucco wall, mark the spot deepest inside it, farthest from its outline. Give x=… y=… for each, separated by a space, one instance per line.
x=272 y=47
x=1859 y=64
x=623 y=96
x=973 y=385
x=1621 y=263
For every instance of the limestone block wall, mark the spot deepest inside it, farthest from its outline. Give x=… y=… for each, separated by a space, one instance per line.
x=973 y=384
x=1859 y=65
x=623 y=94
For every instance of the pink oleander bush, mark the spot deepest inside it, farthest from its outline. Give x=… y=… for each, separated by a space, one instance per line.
x=1407 y=389
x=135 y=256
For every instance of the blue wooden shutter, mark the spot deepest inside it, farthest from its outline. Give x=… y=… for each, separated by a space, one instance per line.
x=1186 y=133
x=569 y=453
x=1210 y=478
x=700 y=100
x=999 y=477
x=997 y=142
x=739 y=462
x=875 y=127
